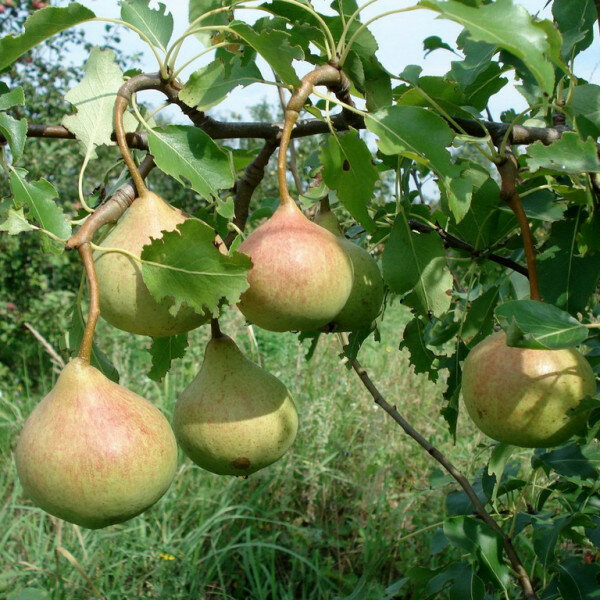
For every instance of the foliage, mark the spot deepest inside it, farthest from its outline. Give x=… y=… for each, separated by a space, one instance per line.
x=457 y=263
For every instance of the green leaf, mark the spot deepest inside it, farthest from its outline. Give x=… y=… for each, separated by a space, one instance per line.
x=30 y=594
x=569 y=154
x=477 y=538
x=348 y=169
x=480 y=317
x=567 y=279
x=10 y=98
x=571 y=460
x=198 y=8
x=15 y=133
x=41 y=25
x=507 y=26
x=163 y=352
x=38 y=198
x=415 y=263
x=155 y=24
x=16 y=222
x=73 y=340
x=421 y=357
x=586 y=103
x=211 y=84
x=185 y=265
x=423 y=136
x=533 y=324
x=575 y=20
x=578 y=580
x=191 y=157
x=94 y=98
x=274 y=46
x=547 y=532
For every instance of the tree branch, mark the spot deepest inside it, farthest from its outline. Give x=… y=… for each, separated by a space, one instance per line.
x=451 y=241
x=511 y=553
x=220 y=130
x=247 y=183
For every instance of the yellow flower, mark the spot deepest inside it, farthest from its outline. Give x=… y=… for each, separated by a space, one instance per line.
x=166 y=556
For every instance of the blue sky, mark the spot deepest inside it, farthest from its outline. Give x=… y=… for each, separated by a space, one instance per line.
x=400 y=39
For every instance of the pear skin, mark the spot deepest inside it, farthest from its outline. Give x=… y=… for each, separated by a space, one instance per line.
x=301 y=276
x=94 y=453
x=522 y=396
x=366 y=296
x=234 y=418
x=125 y=301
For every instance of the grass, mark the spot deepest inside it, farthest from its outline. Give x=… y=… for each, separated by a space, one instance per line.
x=342 y=516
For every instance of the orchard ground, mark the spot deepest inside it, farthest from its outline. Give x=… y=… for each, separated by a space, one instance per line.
x=344 y=514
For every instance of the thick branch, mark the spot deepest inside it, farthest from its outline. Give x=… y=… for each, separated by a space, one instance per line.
x=220 y=130
x=451 y=241
x=245 y=186
x=508 y=170
x=511 y=553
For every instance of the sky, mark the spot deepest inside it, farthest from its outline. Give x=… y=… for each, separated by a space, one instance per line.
x=399 y=36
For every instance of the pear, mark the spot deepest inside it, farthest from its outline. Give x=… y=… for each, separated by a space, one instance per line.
x=125 y=301
x=522 y=396
x=234 y=418
x=301 y=276
x=366 y=296
x=94 y=453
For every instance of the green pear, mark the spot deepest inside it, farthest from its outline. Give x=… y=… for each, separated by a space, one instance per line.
x=301 y=276
x=234 y=418
x=366 y=296
x=522 y=396
x=94 y=453
x=125 y=301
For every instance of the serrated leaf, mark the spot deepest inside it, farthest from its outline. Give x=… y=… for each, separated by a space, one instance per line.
x=547 y=532
x=508 y=26
x=571 y=460
x=198 y=8
x=94 y=98
x=211 y=84
x=16 y=222
x=586 y=103
x=578 y=580
x=416 y=264
x=569 y=154
x=39 y=26
x=274 y=46
x=423 y=136
x=479 y=320
x=164 y=351
x=38 y=198
x=185 y=265
x=421 y=357
x=191 y=157
x=10 y=98
x=534 y=324
x=567 y=279
x=575 y=20
x=15 y=133
x=155 y=24
x=348 y=168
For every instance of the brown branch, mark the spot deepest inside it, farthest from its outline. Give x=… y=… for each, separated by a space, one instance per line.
x=245 y=186
x=57 y=359
x=220 y=130
x=509 y=170
x=451 y=241
x=511 y=553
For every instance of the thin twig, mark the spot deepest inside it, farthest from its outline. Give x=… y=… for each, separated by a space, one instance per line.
x=511 y=553
x=509 y=170
x=451 y=241
x=57 y=359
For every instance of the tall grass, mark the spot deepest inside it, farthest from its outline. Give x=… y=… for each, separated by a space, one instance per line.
x=343 y=515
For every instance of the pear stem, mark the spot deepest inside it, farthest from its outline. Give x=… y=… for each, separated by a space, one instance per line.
x=508 y=170
x=215 y=329
x=335 y=80
x=511 y=553
x=144 y=81
x=85 y=350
